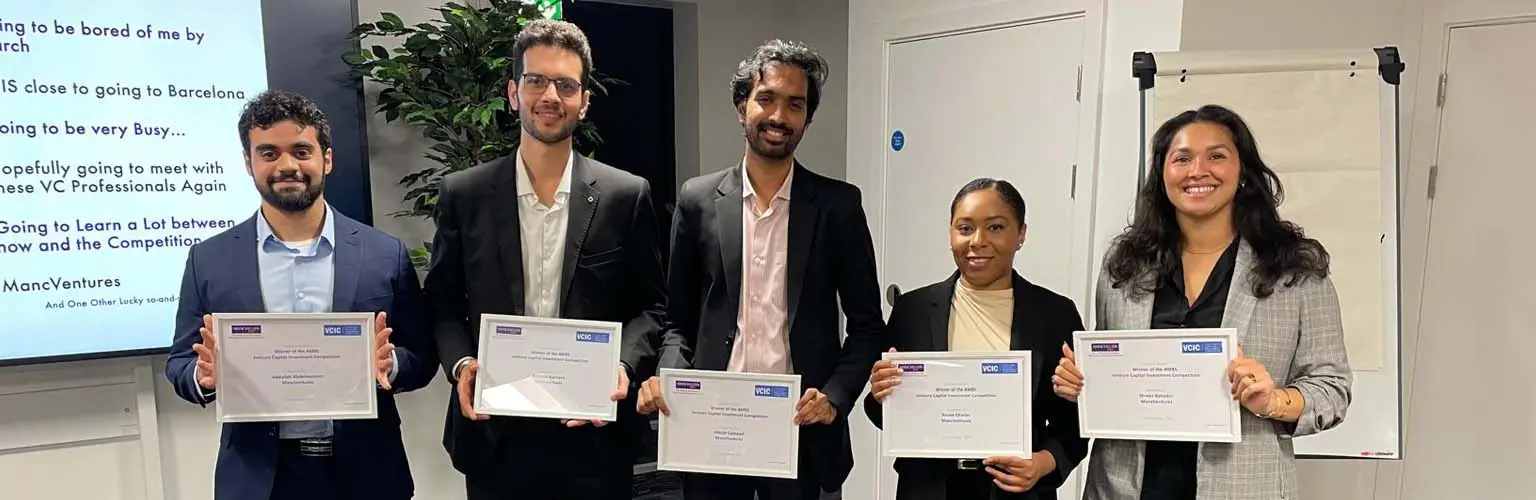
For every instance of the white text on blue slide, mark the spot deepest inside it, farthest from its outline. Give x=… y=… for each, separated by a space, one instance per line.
x=119 y=151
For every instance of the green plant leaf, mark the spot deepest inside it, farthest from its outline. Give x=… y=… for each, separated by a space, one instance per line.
x=393 y=19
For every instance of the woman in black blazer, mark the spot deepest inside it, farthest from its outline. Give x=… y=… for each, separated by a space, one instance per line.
x=987 y=306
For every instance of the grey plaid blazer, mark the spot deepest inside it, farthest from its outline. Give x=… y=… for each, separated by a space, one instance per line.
x=1297 y=334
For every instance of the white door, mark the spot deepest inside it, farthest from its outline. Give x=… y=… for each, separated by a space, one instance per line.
x=1002 y=103
x=999 y=103
x=1469 y=429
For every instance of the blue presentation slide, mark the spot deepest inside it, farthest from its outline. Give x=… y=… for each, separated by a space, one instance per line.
x=118 y=151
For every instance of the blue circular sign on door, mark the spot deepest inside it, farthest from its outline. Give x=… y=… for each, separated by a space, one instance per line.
x=898 y=140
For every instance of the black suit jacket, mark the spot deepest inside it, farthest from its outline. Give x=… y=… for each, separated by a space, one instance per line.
x=612 y=272
x=831 y=257
x=1042 y=322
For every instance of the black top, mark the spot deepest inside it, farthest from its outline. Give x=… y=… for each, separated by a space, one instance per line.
x=1169 y=468
x=1043 y=321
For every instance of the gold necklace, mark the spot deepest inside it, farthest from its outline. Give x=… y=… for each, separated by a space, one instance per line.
x=1208 y=252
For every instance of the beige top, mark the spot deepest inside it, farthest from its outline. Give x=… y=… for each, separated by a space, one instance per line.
x=980 y=320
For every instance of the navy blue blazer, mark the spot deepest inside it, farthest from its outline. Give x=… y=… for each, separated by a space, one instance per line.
x=373 y=273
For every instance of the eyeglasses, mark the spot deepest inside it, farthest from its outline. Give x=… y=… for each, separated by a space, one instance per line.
x=537 y=84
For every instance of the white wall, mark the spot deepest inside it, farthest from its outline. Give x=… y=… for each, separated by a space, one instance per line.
x=728 y=31
x=1128 y=27
x=113 y=429
x=90 y=417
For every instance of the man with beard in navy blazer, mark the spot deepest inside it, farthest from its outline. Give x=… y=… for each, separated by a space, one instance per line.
x=298 y=255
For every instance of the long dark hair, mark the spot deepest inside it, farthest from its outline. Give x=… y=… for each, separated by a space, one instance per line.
x=1149 y=249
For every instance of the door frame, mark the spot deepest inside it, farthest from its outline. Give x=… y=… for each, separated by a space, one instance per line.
x=1433 y=31
x=1008 y=13
x=964 y=17
x=1425 y=143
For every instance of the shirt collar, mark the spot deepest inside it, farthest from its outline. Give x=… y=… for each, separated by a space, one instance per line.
x=746 y=183
x=525 y=183
x=264 y=233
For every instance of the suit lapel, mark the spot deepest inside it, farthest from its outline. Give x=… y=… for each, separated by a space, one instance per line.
x=728 y=231
x=1025 y=334
x=348 y=264
x=1134 y=312
x=1240 y=299
x=247 y=268
x=938 y=315
x=504 y=208
x=582 y=205
x=803 y=218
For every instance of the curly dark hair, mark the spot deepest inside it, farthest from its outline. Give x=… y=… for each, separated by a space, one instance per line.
x=1148 y=251
x=552 y=33
x=787 y=52
x=273 y=106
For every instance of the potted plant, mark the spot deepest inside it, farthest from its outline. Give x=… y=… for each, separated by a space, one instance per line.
x=448 y=79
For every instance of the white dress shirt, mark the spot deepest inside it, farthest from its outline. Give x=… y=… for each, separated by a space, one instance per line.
x=543 y=232
x=543 y=236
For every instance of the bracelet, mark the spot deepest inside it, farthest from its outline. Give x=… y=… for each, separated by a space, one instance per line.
x=1275 y=406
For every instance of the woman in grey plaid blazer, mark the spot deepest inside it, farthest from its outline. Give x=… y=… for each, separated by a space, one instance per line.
x=1207 y=249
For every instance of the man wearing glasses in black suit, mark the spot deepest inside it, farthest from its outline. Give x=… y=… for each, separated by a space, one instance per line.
x=550 y=233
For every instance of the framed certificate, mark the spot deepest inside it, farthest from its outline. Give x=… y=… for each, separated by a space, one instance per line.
x=1164 y=385
x=959 y=405
x=547 y=367
x=731 y=423
x=275 y=367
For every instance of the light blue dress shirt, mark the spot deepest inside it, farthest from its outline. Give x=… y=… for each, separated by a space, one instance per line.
x=298 y=277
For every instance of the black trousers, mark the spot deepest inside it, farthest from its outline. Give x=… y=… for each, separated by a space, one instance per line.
x=301 y=477
x=968 y=484
x=720 y=487
x=929 y=479
x=584 y=463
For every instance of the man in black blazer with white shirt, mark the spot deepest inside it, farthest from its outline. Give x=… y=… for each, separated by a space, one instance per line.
x=755 y=279
x=545 y=232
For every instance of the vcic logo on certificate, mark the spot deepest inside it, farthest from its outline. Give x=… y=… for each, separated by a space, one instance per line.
x=959 y=405
x=275 y=367
x=1161 y=385
x=730 y=423
x=547 y=367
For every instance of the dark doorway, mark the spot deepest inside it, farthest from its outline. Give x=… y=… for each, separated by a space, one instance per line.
x=635 y=120
x=634 y=44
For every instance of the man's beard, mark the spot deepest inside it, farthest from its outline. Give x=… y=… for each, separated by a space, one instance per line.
x=290 y=200
x=761 y=146
x=567 y=127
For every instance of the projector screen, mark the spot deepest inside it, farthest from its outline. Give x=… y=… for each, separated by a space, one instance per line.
x=119 y=150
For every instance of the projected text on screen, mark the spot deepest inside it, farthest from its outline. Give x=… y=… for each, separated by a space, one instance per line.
x=118 y=151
